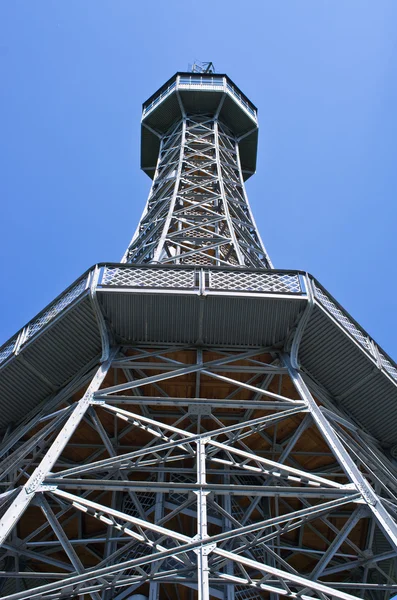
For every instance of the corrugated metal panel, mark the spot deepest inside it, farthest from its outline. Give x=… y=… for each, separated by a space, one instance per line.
x=27 y=583
x=235 y=117
x=67 y=345
x=338 y=364
x=20 y=391
x=218 y=320
x=200 y=101
x=48 y=361
x=327 y=353
x=249 y=321
x=374 y=404
x=161 y=318
x=162 y=117
x=330 y=355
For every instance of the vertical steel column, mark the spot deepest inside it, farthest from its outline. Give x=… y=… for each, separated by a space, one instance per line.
x=154 y=587
x=202 y=551
x=267 y=261
x=145 y=210
x=229 y=221
x=160 y=246
x=227 y=524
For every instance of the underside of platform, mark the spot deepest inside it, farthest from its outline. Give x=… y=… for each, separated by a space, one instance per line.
x=208 y=307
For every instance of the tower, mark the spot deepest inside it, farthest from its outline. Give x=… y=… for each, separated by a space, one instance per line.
x=190 y=422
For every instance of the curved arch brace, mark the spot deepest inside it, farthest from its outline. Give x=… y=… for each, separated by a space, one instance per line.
x=103 y=329
x=294 y=352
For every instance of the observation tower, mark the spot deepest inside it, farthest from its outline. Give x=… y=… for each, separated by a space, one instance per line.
x=190 y=422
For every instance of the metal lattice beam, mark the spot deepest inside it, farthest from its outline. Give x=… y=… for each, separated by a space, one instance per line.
x=234 y=519
x=197 y=211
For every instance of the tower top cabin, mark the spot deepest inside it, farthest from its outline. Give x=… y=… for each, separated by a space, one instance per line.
x=212 y=94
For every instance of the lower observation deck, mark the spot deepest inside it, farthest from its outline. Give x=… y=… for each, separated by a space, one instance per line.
x=218 y=307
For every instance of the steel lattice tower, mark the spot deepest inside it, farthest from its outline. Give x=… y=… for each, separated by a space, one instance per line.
x=191 y=423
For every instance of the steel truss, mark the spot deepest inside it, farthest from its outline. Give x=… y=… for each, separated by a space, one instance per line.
x=205 y=471
x=194 y=471
x=197 y=211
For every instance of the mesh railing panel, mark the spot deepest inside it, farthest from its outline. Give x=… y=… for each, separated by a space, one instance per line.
x=343 y=319
x=198 y=260
x=42 y=320
x=245 y=281
x=388 y=367
x=180 y=497
x=255 y=282
x=357 y=333
x=53 y=311
x=246 y=593
x=152 y=278
x=7 y=349
x=146 y=500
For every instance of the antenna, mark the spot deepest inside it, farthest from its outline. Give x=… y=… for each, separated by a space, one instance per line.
x=202 y=67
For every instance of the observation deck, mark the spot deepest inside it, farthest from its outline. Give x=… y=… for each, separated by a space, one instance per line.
x=219 y=307
x=199 y=93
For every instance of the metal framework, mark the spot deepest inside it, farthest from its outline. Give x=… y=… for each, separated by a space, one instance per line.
x=197 y=211
x=195 y=470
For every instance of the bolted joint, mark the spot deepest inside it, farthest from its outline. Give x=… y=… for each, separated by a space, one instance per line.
x=35 y=481
x=46 y=488
x=204 y=549
x=368 y=495
x=199 y=409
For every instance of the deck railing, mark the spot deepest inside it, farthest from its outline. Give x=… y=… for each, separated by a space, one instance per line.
x=201 y=280
x=44 y=318
x=205 y=83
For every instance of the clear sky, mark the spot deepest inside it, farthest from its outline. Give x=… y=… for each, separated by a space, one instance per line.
x=323 y=74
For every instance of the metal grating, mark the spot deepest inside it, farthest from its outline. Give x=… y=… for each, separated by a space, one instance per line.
x=387 y=365
x=43 y=318
x=246 y=593
x=146 y=499
x=255 y=282
x=56 y=308
x=342 y=318
x=7 y=349
x=150 y=278
x=180 y=497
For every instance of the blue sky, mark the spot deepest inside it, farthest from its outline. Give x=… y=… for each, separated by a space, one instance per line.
x=324 y=77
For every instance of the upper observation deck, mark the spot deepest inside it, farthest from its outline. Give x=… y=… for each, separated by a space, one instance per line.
x=199 y=93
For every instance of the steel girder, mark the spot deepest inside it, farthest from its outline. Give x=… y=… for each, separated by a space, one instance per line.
x=197 y=211
x=160 y=479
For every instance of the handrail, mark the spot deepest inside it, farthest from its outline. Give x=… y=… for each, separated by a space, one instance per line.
x=217 y=279
x=164 y=94
x=47 y=315
x=195 y=81
x=350 y=326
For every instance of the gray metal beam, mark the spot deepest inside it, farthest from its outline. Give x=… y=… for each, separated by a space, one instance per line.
x=24 y=497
